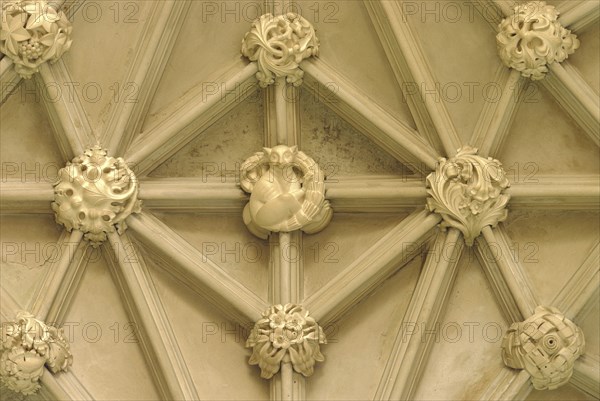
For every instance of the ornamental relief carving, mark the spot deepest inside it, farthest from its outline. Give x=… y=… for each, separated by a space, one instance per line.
x=28 y=344
x=546 y=345
x=95 y=193
x=532 y=38
x=287 y=192
x=466 y=190
x=286 y=333
x=278 y=44
x=33 y=32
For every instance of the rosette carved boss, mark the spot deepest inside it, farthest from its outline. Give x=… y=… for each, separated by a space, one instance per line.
x=286 y=331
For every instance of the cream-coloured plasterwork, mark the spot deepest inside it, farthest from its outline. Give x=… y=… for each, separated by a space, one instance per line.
x=171 y=129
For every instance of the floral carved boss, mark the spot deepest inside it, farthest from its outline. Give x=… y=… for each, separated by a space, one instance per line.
x=532 y=38
x=286 y=332
x=95 y=193
x=32 y=33
x=278 y=44
x=466 y=190
x=26 y=346
x=287 y=192
x=546 y=345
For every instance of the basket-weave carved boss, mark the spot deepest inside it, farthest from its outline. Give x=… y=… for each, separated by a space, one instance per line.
x=287 y=192
x=546 y=345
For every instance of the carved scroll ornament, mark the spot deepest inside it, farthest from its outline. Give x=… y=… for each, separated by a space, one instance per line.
x=95 y=193
x=27 y=345
x=532 y=38
x=33 y=32
x=466 y=190
x=278 y=44
x=286 y=331
x=546 y=345
x=287 y=192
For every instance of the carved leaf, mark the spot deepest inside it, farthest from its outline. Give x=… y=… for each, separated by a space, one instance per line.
x=95 y=193
x=286 y=330
x=33 y=33
x=278 y=44
x=532 y=38
x=466 y=191
x=27 y=345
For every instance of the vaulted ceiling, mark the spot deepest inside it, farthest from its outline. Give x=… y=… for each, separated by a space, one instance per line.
x=163 y=310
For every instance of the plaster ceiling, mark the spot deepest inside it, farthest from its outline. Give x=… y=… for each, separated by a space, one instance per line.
x=198 y=137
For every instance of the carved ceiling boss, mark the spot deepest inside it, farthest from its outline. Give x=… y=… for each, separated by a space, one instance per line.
x=466 y=190
x=33 y=32
x=532 y=38
x=95 y=193
x=26 y=345
x=546 y=345
x=287 y=192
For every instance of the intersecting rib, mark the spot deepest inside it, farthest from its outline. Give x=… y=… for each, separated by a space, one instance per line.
x=499 y=284
x=154 y=48
x=586 y=375
x=67 y=116
x=377 y=264
x=68 y=259
x=576 y=96
x=410 y=350
x=70 y=283
x=189 y=116
x=348 y=194
x=358 y=108
x=145 y=307
x=581 y=16
x=581 y=286
x=496 y=117
x=25 y=197
x=368 y=194
x=413 y=73
x=509 y=384
x=192 y=194
x=512 y=285
x=196 y=271
x=9 y=79
x=576 y=192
